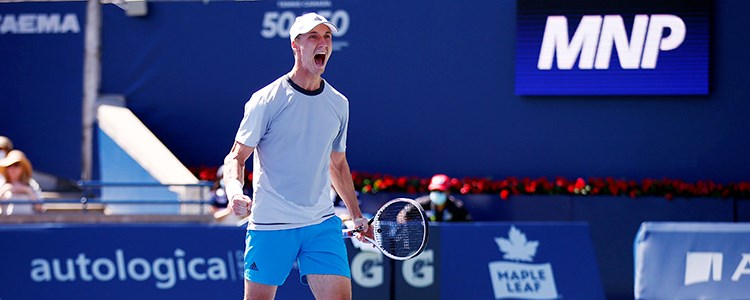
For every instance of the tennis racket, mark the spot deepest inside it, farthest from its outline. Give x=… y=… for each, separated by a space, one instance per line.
x=400 y=229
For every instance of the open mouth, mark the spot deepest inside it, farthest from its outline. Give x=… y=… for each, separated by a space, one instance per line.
x=320 y=59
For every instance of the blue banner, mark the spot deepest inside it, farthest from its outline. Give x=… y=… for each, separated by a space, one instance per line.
x=692 y=261
x=636 y=47
x=122 y=262
x=518 y=261
x=479 y=260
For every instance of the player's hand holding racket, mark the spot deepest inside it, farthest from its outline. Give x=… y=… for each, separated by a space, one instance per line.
x=399 y=229
x=362 y=229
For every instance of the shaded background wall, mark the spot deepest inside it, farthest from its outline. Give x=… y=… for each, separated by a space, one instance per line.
x=431 y=90
x=41 y=89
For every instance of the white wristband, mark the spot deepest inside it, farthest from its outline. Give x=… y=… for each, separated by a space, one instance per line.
x=233 y=187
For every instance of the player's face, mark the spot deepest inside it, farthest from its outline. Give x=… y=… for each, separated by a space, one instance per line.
x=315 y=49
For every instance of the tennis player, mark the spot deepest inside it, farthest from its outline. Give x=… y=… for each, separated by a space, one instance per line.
x=297 y=129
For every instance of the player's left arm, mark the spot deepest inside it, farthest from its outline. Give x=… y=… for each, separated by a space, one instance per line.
x=341 y=177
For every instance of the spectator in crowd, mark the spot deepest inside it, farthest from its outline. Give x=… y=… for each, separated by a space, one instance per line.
x=440 y=205
x=219 y=200
x=17 y=171
x=218 y=195
x=6 y=145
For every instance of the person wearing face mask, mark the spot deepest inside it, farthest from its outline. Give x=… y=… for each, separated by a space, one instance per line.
x=440 y=205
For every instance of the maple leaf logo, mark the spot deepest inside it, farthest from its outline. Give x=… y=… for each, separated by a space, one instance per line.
x=516 y=247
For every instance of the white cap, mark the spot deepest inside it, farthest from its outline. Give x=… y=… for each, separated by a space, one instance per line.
x=304 y=23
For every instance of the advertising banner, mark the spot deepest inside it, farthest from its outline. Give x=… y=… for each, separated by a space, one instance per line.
x=692 y=261
x=635 y=47
x=147 y=261
x=376 y=277
x=121 y=262
x=518 y=261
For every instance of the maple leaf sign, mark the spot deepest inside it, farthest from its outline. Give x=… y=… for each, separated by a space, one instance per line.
x=516 y=247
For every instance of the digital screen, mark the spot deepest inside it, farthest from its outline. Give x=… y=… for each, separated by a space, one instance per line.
x=595 y=47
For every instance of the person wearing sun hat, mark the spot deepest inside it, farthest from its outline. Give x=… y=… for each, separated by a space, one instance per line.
x=296 y=130
x=17 y=170
x=6 y=145
x=440 y=205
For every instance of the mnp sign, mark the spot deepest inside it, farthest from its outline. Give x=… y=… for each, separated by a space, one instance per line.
x=612 y=48
x=692 y=261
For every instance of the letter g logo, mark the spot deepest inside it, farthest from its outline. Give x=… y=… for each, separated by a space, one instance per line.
x=367 y=269
x=419 y=271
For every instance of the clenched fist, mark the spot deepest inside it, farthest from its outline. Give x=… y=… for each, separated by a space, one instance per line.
x=241 y=205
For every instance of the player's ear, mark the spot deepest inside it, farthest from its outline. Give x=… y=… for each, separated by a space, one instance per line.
x=294 y=45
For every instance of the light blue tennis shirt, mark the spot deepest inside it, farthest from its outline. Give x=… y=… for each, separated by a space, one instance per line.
x=293 y=132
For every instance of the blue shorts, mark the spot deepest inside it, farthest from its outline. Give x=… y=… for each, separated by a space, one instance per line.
x=317 y=249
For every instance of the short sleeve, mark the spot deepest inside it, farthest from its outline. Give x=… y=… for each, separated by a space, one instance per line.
x=339 y=143
x=253 y=124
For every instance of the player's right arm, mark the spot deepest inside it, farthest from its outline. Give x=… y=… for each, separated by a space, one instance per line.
x=234 y=179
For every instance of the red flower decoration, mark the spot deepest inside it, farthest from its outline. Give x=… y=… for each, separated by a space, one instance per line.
x=509 y=186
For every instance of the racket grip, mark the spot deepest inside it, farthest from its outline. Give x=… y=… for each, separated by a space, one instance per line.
x=347 y=233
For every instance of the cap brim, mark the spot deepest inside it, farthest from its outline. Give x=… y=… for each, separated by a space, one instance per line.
x=312 y=26
x=437 y=188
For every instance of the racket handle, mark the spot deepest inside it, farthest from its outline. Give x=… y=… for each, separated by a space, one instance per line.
x=347 y=233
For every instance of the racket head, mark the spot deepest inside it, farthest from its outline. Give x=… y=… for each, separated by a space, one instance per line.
x=400 y=229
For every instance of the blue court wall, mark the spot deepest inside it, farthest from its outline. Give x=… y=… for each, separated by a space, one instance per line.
x=613 y=222
x=431 y=89
x=199 y=261
x=41 y=85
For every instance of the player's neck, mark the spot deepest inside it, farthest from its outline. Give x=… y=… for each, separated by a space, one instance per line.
x=304 y=79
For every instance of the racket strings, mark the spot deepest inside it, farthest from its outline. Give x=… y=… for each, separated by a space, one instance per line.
x=400 y=229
